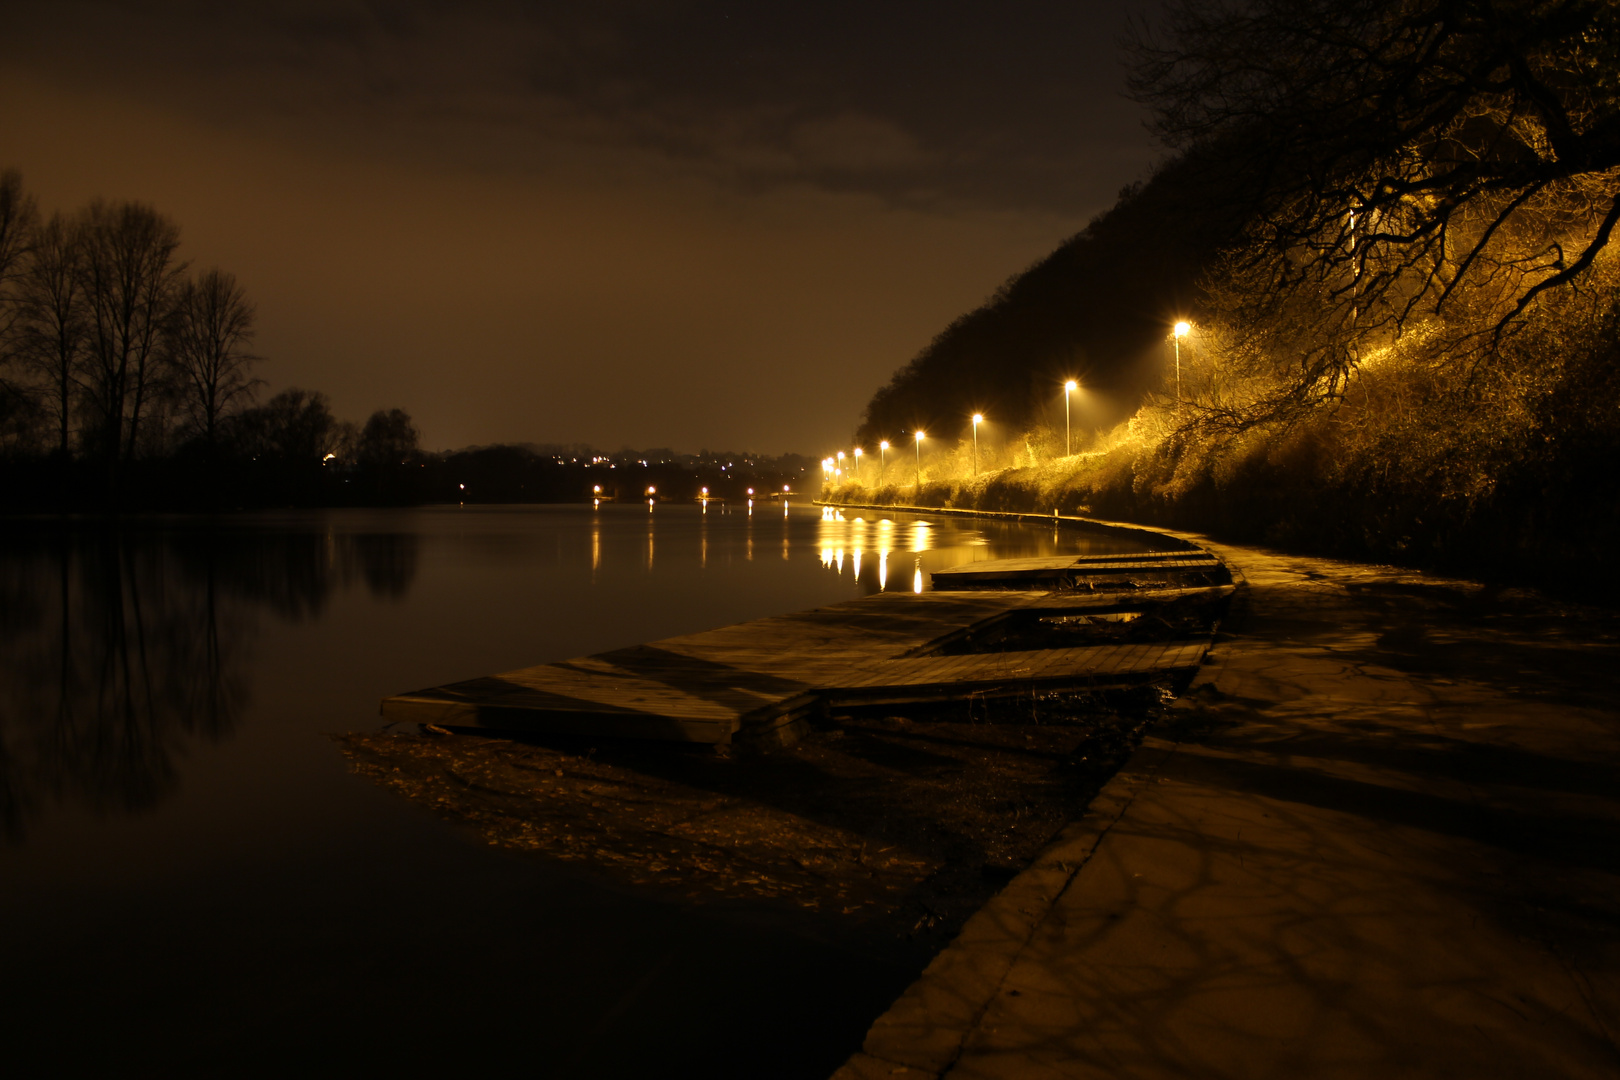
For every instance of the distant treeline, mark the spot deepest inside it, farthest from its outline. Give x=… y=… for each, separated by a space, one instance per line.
x=127 y=383
x=528 y=473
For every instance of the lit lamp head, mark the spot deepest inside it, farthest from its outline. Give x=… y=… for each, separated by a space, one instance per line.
x=1071 y=386
x=978 y=418
x=920 y=436
x=858 y=451
x=1183 y=328
x=651 y=490
x=884 y=445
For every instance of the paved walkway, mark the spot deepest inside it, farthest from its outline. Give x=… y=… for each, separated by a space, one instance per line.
x=1382 y=840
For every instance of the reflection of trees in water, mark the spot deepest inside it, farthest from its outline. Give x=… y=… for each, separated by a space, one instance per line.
x=294 y=573
x=118 y=649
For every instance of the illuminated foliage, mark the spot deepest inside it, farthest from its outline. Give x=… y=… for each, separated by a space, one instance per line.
x=1411 y=160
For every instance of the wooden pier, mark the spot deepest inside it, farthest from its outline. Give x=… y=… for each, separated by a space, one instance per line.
x=762 y=679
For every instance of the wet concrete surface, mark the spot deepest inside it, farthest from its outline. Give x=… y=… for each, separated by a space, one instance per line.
x=1380 y=835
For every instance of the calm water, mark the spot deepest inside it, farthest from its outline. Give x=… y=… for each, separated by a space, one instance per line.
x=192 y=881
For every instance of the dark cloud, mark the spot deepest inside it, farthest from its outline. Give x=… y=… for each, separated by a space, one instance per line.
x=542 y=195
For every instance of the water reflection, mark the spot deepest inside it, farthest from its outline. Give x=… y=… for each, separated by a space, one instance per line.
x=853 y=536
x=119 y=648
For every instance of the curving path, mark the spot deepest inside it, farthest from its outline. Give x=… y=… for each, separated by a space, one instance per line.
x=1382 y=839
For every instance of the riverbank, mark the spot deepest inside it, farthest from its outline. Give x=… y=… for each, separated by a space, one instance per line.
x=1539 y=522
x=1378 y=836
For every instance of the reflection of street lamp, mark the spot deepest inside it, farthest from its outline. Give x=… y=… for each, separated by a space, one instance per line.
x=1068 y=444
x=1183 y=328
x=920 y=437
x=978 y=418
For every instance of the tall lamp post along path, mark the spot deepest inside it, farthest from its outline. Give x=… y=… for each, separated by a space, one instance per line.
x=978 y=418
x=920 y=438
x=1068 y=444
x=1183 y=328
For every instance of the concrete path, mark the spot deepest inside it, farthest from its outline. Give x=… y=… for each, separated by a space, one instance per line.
x=1383 y=839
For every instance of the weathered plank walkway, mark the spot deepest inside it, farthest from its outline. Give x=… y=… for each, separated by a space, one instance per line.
x=760 y=679
x=1088 y=571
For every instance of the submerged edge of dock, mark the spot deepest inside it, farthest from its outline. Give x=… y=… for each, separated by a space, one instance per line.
x=763 y=680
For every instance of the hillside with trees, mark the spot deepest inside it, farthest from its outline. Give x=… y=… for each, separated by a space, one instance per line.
x=1404 y=299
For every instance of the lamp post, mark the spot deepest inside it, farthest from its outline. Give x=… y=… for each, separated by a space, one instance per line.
x=1068 y=443
x=883 y=458
x=978 y=418
x=920 y=437
x=858 y=453
x=1183 y=328
x=840 y=463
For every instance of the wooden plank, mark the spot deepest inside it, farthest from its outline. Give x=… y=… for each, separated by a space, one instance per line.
x=705 y=687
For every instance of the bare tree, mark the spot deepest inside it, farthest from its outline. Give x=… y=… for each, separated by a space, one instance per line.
x=208 y=349
x=130 y=278
x=51 y=328
x=17 y=220
x=1408 y=157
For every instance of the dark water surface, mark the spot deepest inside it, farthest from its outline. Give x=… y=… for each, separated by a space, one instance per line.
x=193 y=882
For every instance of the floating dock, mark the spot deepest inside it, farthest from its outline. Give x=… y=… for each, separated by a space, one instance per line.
x=762 y=680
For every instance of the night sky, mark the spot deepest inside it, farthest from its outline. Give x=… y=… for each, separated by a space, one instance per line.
x=644 y=224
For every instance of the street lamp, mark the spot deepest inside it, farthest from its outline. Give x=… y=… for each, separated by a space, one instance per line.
x=978 y=418
x=858 y=453
x=1183 y=328
x=1068 y=443
x=920 y=438
x=883 y=458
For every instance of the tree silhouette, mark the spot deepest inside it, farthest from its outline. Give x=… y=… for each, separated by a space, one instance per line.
x=51 y=337
x=130 y=277
x=388 y=439
x=17 y=219
x=1409 y=157
x=208 y=347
